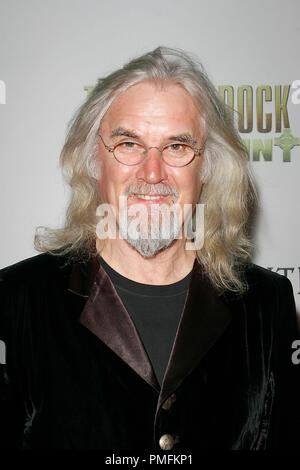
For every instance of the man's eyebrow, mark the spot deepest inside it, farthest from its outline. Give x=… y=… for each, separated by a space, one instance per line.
x=121 y=131
x=185 y=139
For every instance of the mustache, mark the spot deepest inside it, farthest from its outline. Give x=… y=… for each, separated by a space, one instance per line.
x=151 y=189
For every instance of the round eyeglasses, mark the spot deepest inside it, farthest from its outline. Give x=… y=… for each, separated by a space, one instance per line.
x=132 y=153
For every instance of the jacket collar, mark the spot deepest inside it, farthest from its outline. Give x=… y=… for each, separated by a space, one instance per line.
x=83 y=275
x=205 y=317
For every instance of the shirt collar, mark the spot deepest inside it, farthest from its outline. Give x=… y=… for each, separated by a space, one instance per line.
x=83 y=275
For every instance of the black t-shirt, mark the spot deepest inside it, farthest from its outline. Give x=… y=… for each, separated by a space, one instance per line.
x=155 y=311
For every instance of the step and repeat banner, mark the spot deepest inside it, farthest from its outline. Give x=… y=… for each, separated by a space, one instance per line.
x=51 y=52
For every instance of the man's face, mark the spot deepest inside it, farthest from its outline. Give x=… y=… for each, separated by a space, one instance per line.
x=153 y=117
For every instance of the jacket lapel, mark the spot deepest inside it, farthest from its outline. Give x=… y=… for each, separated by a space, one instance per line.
x=204 y=319
x=105 y=315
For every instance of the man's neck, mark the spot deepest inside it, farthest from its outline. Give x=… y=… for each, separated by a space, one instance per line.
x=166 y=267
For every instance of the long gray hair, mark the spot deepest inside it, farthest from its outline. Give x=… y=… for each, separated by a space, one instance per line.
x=228 y=192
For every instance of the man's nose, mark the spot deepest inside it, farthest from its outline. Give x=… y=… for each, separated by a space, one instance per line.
x=152 y=169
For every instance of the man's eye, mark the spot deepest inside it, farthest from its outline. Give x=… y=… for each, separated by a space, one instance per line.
x=176 y=147
x=128 y=145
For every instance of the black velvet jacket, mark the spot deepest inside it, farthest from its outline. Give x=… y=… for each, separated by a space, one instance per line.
x=78 y=377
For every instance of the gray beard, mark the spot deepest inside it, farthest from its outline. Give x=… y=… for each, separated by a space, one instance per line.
x=153 y=238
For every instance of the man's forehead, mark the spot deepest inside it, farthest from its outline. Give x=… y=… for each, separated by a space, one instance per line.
x=145 y=108
x=147 y=100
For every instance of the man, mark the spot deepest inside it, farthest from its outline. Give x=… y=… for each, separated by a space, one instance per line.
x=144 y=337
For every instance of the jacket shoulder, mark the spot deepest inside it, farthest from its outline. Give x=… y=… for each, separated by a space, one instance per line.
x=26 y=282
x=256 y=275
x=43 y=264
x=275 y=289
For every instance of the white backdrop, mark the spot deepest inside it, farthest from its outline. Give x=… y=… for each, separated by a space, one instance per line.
x=51 y=49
